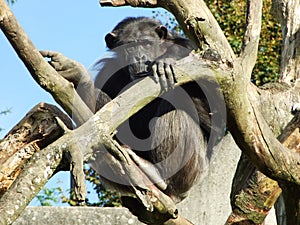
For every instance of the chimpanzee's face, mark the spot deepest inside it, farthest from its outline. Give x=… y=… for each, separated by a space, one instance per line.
x=139 y=49
x=140 y=56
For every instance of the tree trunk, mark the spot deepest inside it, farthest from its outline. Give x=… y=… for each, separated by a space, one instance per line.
x=288 y=14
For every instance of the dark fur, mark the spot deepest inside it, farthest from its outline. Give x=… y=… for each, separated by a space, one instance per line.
x=184 y=127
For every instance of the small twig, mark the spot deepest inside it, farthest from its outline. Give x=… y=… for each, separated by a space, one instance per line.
x=62 y=125
x=75 y=157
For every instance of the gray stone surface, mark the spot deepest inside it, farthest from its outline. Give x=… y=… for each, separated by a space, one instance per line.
x=34 y=215
x=208 y=202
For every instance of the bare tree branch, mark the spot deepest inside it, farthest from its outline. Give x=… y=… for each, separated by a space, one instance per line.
x=254 y=136
x=35 y=131
x=251 y=208
x=251 y=36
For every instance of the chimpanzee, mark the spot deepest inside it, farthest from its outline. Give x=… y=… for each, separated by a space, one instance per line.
x=172 y=131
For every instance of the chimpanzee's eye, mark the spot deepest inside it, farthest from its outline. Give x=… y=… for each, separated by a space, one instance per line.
x=147 y=44
x=130 y=49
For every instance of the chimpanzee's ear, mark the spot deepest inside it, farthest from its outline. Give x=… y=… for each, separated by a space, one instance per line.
x=162 y=31
x=111 y=39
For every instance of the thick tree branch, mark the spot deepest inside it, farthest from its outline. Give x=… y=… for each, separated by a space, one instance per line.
x=286 y=134
x=253 y=208
x=35 y=131
x=254 y=136
x=251 y=36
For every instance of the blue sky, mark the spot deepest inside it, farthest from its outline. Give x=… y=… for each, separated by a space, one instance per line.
x=75 y=28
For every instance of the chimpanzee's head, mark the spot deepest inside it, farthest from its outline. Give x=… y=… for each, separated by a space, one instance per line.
x=140 y=41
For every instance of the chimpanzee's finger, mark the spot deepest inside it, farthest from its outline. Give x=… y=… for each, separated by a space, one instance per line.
x=54 y=56
x=162 y=76
x=169 y=76
x=154 y=71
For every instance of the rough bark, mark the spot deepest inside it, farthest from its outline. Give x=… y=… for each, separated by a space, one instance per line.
x=253 y=193
x=26 y=167
x=288 y=14
x=34 y=132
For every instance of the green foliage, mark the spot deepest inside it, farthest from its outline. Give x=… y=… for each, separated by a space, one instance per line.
x=4 y=112
x=11 y=1
x=106 y=198
x=168 y=20
x=54 y=196
x=230 y=15
x=49 y=196
x=231 y=18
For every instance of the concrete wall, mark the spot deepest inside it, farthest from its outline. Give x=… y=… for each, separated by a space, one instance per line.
x=209 y=202
x=34 y=215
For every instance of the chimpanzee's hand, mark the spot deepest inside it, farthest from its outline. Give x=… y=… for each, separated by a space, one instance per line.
x=67 y=68
x=163 y=73
x=76 y=73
